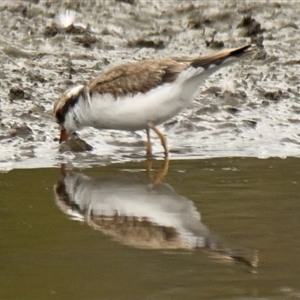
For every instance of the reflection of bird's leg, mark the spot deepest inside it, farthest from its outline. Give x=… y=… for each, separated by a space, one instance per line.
x=161 y=136
x=149 y=167
x=148 y=145
x=88 y=215
x=161 y=173
x=63 y=170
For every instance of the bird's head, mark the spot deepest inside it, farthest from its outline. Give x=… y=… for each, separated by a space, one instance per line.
x=62 y=111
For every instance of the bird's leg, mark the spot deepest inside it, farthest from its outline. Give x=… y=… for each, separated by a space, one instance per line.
x=148 y=145
x=162 y=138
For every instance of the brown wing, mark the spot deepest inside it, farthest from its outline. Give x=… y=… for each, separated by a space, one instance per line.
x=145 y=75
x=137 y=77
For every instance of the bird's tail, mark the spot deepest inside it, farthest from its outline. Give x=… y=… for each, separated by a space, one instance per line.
x=219 y=58
x=207 y=65
x=222 y=57
x=203 y=67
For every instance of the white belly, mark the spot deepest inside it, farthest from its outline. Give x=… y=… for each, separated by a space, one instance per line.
x=134 y=113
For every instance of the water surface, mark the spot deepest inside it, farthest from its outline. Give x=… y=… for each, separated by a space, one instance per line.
x=245 y=203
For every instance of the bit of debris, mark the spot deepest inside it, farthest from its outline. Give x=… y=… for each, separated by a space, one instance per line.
x=75 y=144
x=22 y=131
x=250 y=123
x=198 y=23
x=54 y=29
x=273 y=95
x=16 y=93
x=251 y=25
x=232 y=110
x=131 y=2
x=185 y=9
x=245 y=10
x=51 y=30
x=292 y=62
x=86 y=40
x=213 y=43
x=142 y=43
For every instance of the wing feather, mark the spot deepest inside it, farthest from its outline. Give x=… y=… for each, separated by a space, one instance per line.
x=142 y=76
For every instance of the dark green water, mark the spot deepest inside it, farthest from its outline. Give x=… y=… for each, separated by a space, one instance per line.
x=248 y=203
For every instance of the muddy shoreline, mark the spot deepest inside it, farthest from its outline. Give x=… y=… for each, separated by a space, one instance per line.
x=251 y=109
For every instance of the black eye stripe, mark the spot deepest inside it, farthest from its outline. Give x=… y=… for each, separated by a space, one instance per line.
x=71 y=102
x=59 y=117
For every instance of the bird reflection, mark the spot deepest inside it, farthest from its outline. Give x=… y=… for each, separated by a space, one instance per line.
x=136 y=213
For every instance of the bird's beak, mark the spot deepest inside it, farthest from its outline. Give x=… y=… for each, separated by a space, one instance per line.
x=63 y=135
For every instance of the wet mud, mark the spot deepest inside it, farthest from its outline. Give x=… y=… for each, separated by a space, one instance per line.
x=249 y=109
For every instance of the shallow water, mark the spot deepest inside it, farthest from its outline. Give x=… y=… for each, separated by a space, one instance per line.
x=53 y=250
